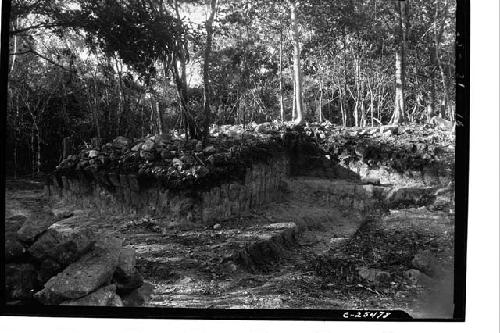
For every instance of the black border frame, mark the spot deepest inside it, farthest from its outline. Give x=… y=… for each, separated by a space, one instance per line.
x=462 y=62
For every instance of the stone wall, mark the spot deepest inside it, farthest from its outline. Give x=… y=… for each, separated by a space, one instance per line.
x=124 y=194
x=358 y=197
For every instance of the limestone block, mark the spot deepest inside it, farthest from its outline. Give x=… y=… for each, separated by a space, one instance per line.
x=64 y=241
x=84 y=276
x=368 y=190
x=234 y=191
x=105 y=296
x=133 y=182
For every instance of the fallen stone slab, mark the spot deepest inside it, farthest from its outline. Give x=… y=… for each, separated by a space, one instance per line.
x=79 y=279
x=31 y=229
x=64 y=241
x=105 y=296
x=20 y=281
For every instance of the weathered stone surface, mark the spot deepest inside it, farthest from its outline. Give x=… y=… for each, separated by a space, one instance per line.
x=20 y=281
x=139 y=296
x=61 y=213
x=84 y=276
x=33 y=228
x=426 y=262
x=64 y=241
x=374 y=276
x=14 y=223
x=13 y=248
x=125 y=285
x=105 y=296
x=396 y=196
x=126 y=263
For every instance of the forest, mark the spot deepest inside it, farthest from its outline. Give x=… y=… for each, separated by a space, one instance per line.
x=102 y=69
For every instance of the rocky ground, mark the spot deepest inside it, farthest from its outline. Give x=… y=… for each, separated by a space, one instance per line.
x=304 y=258
x=312 y=249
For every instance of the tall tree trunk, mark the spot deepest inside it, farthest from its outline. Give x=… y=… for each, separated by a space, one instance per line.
x=14 y=53
x=38 y=150
x=206 y=80
x=32 y=152
x=399 y=105
x=341 y=102
x=282 y=107
x=437 y=41
x=320 y=108
x=371 y=106
x=120 y=97
x=356 y=79
x=16 y=135
x=296 y=63
x=432 y=98
x=182 y=97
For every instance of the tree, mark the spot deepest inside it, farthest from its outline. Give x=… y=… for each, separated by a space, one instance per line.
x=399 y=103
x=206 y=64
x=296 y=64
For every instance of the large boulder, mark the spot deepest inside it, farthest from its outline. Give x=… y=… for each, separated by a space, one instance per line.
x=105 y=296
x=64 y=241
x=81 y=278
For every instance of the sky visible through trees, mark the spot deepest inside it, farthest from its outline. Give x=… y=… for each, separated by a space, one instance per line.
x=86 y=69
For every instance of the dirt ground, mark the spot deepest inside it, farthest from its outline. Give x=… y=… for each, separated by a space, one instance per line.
x=286 y=255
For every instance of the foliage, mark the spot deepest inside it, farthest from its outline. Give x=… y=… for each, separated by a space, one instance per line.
x=106 y=68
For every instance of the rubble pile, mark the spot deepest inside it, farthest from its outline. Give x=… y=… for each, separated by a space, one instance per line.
x=66 y=262
x=176 y=162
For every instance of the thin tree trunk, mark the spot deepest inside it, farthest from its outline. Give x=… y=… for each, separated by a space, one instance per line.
x=16 y=135
x=437 y=38
x=14 y=54
x=371 y=106
x=296 y=62
x=320 y=109
x=206 y=65
x=282 y=107
x=38 y=150
x=432 y=101
x=120 y=98
x=399 y=105
x=159 y=118
x=183 y=97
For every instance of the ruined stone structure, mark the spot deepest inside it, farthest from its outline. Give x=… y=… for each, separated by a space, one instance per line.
x=262 y=183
